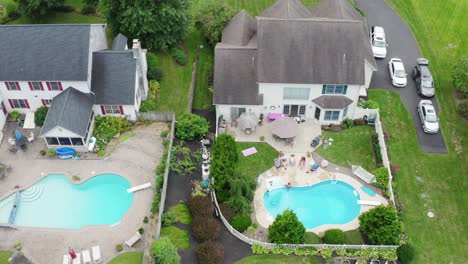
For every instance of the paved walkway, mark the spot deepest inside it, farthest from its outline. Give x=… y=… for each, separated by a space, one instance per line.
x=135 y=159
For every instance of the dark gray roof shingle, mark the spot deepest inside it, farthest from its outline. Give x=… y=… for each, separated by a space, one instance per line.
x=71 y=110
x=44 y=52
x=119 y=42
x=287 y=9
x=113 y=77
x=240 y=29
x=332 y=101
x=338 y=9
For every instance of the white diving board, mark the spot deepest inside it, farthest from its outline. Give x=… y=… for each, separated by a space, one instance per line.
x=139 y=187
x=366 y=202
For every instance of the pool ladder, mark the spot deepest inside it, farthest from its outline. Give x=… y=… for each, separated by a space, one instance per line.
x=334 y=180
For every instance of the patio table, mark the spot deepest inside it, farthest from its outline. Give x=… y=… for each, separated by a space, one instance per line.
x=274 y=116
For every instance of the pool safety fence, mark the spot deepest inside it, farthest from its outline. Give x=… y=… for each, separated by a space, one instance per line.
x=251 y=241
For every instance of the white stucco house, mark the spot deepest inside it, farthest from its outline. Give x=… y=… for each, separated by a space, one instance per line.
x=70 y=69
x=290 y=60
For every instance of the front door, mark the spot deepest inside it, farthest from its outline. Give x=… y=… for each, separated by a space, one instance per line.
x=317 y=113
x=294 y=110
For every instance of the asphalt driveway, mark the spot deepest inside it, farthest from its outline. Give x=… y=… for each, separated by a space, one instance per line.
x=401 y=44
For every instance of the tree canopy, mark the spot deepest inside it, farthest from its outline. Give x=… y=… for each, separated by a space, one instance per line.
x=381 y=225
x=211 y=20
x=38 y=8
x=158 y=24
x=286 y=229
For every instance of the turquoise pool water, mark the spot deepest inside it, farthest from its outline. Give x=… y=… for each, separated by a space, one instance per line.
x=328 y=202
x=55 y=202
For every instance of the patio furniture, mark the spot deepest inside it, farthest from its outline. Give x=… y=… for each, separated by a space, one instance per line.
x=315 y=142
x=31 y=137
x=86 y=257
x=284 y=127
x=135 y=238
x=11 y=141
x=96 y=250
x=247 y=121
x=363 y=174
x=66 y=259
x=274 y=116
x=77 y=260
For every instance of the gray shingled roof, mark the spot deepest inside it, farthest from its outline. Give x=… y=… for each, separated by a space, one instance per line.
x=19 y=258
x=113 y=77
x=240 y=29
x=338 y=9
x=119 y=42
x=287 y=9
x=44 y=52
x=332 y=101
x=71 y=110
x=312 y=50
x=235 y=78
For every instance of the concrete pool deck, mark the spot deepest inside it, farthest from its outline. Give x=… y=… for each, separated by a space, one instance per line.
x=298 y=178
x=134 y=159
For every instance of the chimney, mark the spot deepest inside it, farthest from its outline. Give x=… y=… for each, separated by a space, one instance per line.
x=136 y=47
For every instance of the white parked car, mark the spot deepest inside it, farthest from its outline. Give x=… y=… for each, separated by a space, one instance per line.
x=428 y=116
x=378 y=43
x=397 y=72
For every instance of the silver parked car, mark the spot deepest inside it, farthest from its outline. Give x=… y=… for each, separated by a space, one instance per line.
x=428 y=116
x=423 y=78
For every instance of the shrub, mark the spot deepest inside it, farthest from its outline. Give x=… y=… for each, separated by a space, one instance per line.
x=51 y=152
x=462 y=109
x=241 y=190
x=371 y=104
x=381 y=225
x=108 y=127
x=359 y=122
x=155 y=73
x=210 y=76
x=347 y=123
x=227 y=212
x=86 y=10
x=286 y=229
x=164 y=134
x=14 y=115
x=40 y=115
x=190 y=126
x=382 y=178
x=460 y=74
x=159 y=182
x=223 y=164
x=145 y=220
x=76 y=178
x=394 y=168
x=241 y=222
x=406 y=253
x=43 y=152
x=200 y=206
x=141 y=230
x=205 y=228
x=119 y=247
x=210 y=252
x=155 y=203
x=179 y=55
x=211 y=20
x=312 y=238
x=168 y=218
x=165 y=252
x=334 y=236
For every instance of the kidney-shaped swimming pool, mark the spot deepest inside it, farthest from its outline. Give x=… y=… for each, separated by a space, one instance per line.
x=328 y=202
x=55 y=202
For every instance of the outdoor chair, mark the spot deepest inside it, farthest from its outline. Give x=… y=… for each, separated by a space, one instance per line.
x=86 y=257
x=77 y=260
x=31 y=137
x=66 y=259
x=96 y=250
x=135 y=238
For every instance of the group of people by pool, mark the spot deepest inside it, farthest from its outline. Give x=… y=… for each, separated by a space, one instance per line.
x=283 y=162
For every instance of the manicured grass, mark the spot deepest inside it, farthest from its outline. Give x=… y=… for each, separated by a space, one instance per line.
x=275 y=259
x=353 y=145
x=128 y=258
x=441 y=239
x=353 y=237
x=179 y=237
x=312 y=238
x=255 y=164
x=4 y=255
x=182 y=212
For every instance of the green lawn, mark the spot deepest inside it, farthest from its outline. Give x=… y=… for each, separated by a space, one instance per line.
x=353 y=145
x=275 y=259
x=353 y=237
x=128 y=258
x=4 y=255
x=257 y=163
x=182 y=212
x=179 y=237
x=441 y=239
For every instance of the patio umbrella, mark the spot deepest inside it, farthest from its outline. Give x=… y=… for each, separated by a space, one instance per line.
x=72 y=253
x=284 y=127
x=20 y=140
x=247 y=120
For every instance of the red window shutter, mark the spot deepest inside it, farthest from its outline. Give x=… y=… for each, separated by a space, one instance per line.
x=60 y=86
x=7 y=85
x=18 y=86
x=30 y=86
x=42 y=87
x=121 y=110
x=26 y=103
x=11 y=103
x=103 y=110
x=43 y=102
x=48 y=86
x=4 y=109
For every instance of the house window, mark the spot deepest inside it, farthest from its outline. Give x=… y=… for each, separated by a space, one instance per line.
x=54 y=86
x=77 y=141
x=237 y=111
x=296 y=93
x=113 y=109
x=302 y=109
x=19 y=103
x=35 y=86
x=345 y=112
x=13 y=86
x=294 y=110
x=52 y=141
x=286 y=109
x=332 y=115
x=334 y=89
x=64 y=141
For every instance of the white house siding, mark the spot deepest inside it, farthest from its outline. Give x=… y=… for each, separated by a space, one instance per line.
x=35 y=97
x=225 y=110
x=97 y=41
x=3 y=118
x=129 y=111
x=368 y=69
x=139 y=90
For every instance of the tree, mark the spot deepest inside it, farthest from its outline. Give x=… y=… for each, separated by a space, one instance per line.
x=381 y=225
x=205 y=228
x=286 y=229
x=211 y=20
x=241 y=189
x=40 y=115
x=38 y=8
x=460 y=74
x=190 y=126
x=210 y=252
x=158 y=24
x=223 y=164
x=165 y=252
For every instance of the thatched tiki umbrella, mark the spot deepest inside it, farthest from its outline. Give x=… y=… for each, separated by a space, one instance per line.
x=284 y=127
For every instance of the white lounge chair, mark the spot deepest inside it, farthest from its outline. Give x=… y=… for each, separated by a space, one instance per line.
x=96 y=254
x=31 y=137
x=77 y=260
x=86 y=257
x=135 y=238
x=66 y=259
x=139 y=187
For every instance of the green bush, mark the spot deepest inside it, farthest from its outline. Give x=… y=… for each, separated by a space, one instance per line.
x=108 y=127
x=155 y=203
x=165 y=252
x=406 y=253
x=286 y=229
x=382 y=178
x=241 y=222
x=205 y=228
x=211 y=20
x=179 y=55
x=462 y=109
x=152 y=60
x=311 y=238
x=241 y=191
x=159 y=182
x=210 y=252
x=334 y=236
x=200 y=206
x=40 y=115
x=168 y=218
x=381 y=225
x=155 y=73
x=223 y=164
x=118 y=247
x=14 y=115
x=371 y=104
x=190 y=126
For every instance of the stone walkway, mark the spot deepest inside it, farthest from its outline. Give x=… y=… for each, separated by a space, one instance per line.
x=134 y=159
